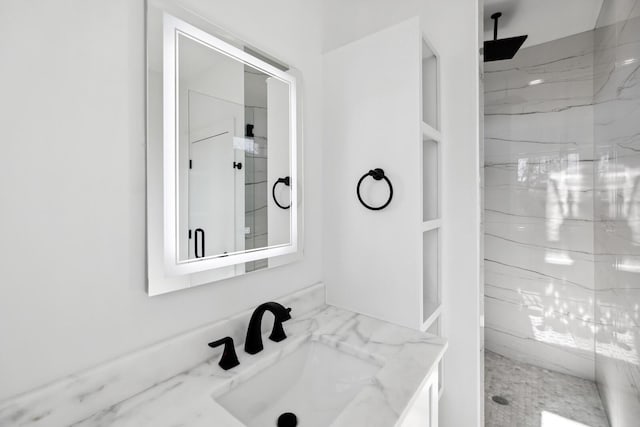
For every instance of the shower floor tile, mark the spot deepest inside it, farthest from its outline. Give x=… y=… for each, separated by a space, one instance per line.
x=538 y=397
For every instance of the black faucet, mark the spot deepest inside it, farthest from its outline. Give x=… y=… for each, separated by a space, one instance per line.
x=253 y=343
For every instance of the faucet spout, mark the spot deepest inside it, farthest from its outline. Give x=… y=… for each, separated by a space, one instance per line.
x=253 y=343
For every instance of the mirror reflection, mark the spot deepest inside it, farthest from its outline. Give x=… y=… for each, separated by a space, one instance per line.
x=233 y=155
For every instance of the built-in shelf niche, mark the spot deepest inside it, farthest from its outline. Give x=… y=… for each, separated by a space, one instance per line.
x=430 y=88
x=431 y=140
x=430 y=276
x=430 y=180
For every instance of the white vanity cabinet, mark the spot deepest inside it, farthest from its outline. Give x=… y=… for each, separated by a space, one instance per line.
x=423 y=408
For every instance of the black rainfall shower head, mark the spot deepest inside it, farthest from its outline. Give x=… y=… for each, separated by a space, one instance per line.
x=499 y=49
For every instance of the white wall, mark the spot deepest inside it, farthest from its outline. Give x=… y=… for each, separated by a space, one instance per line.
x=452 y=27
x=278 y=220
x=373 y=258
x=72 y=183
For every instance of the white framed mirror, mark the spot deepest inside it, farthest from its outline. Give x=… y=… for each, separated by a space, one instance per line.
x=223 y=154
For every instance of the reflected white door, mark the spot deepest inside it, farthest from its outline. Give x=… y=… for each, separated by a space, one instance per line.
x=212 y=192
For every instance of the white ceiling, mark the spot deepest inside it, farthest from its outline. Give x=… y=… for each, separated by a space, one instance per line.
x=542 y=20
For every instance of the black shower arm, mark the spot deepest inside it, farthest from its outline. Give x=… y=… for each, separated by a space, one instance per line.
x=495 y=18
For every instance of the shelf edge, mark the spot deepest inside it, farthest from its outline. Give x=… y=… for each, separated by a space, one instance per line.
x=432 y=318
x=429 y=132
x=431 y=224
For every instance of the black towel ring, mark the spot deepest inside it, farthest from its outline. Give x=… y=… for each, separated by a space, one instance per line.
x=286 y=181
x=376 y=174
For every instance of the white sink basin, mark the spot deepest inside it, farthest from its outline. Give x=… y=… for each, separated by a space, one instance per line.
x=315 y=382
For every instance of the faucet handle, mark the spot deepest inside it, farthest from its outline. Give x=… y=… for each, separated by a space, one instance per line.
x=277 y=334
x=229 y=358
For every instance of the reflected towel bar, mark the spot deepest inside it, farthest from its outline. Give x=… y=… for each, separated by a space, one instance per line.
x=286 y=181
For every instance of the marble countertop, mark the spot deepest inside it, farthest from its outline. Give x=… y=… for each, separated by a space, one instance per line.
x=407 y=358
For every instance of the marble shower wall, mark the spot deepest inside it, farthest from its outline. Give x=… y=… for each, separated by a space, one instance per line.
x=617 y=209
x=539 y=262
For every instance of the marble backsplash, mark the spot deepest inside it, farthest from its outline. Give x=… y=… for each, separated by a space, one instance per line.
x=539 y=282
x=617 y=209
x=79 y=396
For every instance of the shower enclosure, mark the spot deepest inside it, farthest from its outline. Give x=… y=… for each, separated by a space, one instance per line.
x=562 y=213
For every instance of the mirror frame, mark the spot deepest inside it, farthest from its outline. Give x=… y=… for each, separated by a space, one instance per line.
x=165 y=271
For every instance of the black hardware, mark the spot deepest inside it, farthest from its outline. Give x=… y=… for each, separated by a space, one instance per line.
x=237 y=165
x=376 y=174
x=495 y=18
x=199 y=231
x=496 y=50
x=286 y=181
x=229 y=358
x=190 y=164
x=288 y=419
x=500 y=400
x=189 y=233
x=249 y=131
x=253 y=342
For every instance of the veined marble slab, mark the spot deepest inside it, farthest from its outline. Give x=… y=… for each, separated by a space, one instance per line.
x=617 y=209
x=539 y=195
x=406 y=357
x=77 y=397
